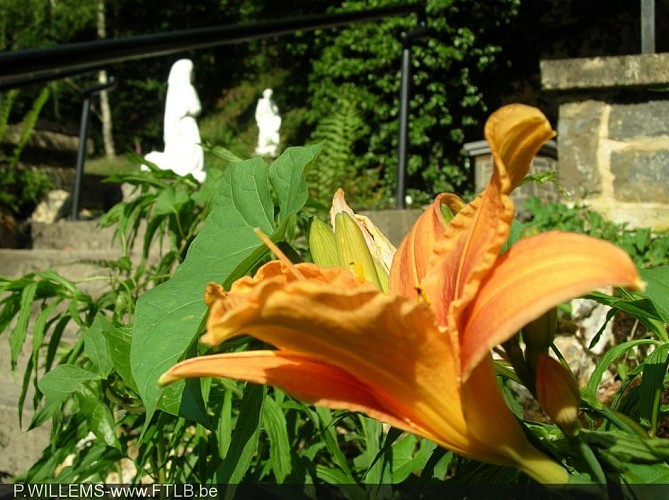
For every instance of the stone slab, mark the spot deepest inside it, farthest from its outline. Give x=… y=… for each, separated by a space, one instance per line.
x=643 y=119
x=639 y=70
x=578 y=132
x=641 y=176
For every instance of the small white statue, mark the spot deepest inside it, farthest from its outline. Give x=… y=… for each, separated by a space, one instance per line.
x=269 y=123
x=183 y=153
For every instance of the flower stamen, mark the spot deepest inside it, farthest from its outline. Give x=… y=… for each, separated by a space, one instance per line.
x=279 y=254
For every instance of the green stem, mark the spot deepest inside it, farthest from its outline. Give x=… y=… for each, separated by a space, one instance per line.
x=590 y=459
x=160 y=459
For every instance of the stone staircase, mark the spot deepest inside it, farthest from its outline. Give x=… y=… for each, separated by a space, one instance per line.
x=70 y=248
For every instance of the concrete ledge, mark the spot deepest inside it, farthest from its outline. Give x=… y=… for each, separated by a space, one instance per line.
x=642 y=70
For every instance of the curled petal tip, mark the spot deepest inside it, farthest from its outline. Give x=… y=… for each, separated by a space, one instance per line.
x=167 y=378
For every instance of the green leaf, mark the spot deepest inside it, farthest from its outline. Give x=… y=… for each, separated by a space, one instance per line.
x=287 y=175
x=326 y=423
x=628 y=448
x=406 y=460
x=118 y=347
x=98 y=415
x=274 y=423
x=170 y=200
x=657 y=289
x=224 y=428
x=62 y=381
x=168 y=317
x=95 y=346
x=244 y=440
x=638 y=476
x=609 y=357
x=515 y=234
x=652 y=385
x=20 y=331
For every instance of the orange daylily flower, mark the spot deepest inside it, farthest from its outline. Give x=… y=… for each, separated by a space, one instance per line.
x=418 y=357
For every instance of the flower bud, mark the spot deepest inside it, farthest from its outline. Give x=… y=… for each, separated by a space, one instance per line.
x=352 y=250
x=322 y=244
x=557 y=393
x=538 y=336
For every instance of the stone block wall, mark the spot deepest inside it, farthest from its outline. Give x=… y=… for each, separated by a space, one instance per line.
x=613 y=135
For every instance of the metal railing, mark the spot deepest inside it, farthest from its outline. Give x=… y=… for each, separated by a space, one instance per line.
x=36 y=65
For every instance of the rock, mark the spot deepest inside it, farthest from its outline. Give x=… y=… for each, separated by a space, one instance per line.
x=589 y=317
x=54 y=207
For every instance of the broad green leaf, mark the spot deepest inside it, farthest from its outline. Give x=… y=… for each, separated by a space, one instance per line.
x=287 y=175
x=274 y=423
x=95 y=346
x=407 y=460
x=244 y=439
x=118 y=346
x=168 y=317
x=639 y=476
x=98 y=415
x=63 y=380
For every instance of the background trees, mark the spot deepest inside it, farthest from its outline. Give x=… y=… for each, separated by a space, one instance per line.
x=476 y=56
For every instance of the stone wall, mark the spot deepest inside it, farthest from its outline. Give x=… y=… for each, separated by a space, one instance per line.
x=613 y=135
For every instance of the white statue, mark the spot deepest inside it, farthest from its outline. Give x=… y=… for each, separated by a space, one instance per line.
x=269 y=123
x=183 y=152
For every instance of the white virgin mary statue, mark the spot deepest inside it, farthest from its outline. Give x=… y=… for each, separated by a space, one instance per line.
x=269 y=123
x=183 y=152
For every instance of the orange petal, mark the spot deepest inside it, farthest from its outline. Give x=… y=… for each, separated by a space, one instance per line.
x=481 y=403
x=411 y=260
x=473 y=240
x=536 y=274
x=306 y=379
x=389 y=343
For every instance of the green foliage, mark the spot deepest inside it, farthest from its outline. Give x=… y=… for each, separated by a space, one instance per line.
x=361 y=62
x=21 y=187
x=646 y=248
x=95 y=361
x=337 y=166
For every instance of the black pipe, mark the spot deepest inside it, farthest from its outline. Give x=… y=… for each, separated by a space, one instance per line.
x=83 y=137
x=21 y=67
x=407 y=39
x=403 y=144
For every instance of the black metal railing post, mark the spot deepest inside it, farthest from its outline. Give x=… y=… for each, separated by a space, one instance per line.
x=83 y=138
x=407 y=38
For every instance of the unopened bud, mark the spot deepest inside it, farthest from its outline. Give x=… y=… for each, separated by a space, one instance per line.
x=557 y=393
x=322 y=244
x=352 y=249
x=538 y=336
